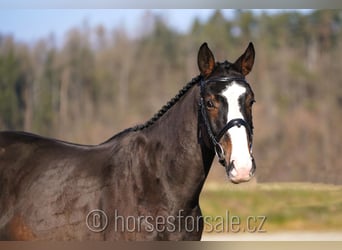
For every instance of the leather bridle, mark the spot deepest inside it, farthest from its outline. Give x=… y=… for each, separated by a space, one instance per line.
x=232 y=123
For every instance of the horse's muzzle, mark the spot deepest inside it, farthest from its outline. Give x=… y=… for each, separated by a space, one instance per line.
x=238 y=175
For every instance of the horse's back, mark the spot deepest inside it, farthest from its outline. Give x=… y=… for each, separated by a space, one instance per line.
x=20 y=139
x=45 y=185
x=20 y=151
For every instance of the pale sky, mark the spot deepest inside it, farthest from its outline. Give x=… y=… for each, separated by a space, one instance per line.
x=31 y=25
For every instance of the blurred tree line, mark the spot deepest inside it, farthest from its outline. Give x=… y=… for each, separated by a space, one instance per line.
x=101 y=81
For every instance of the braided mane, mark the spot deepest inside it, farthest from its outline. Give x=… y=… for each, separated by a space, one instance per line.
x=162 y=111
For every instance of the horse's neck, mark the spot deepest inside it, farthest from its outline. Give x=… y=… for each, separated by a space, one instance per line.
x=185 y=161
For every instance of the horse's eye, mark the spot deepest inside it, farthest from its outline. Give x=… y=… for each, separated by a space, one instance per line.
x=252 y=102
x=210 y=104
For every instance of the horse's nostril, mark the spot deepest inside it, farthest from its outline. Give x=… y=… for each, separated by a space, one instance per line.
x=231 y=171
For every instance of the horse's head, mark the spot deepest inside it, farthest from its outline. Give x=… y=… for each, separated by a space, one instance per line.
x=226 y=108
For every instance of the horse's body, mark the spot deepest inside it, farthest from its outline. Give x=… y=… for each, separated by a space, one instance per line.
x=52 y=185
x=48 y=187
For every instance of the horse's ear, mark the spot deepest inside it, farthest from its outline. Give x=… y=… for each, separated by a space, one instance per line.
x=245 y=62
x=205 y=60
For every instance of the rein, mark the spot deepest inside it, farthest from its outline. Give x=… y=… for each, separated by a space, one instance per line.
x=232 y=123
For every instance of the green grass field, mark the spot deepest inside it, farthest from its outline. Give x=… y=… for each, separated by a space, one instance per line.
x=286 y=206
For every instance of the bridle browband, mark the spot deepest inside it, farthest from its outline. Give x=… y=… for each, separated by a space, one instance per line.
x=232 y=123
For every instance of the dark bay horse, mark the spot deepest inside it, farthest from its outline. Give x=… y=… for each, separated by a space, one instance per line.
x=143 y=183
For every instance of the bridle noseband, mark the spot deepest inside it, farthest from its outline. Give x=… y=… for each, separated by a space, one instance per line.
x=232 y=123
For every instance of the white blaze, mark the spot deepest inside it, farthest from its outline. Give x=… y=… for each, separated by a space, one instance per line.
x=238 y=135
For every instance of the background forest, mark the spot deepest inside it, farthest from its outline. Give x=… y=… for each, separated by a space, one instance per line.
x=100 y=81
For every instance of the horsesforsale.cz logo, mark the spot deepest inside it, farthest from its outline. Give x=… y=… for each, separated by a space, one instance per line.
x=97 y=221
